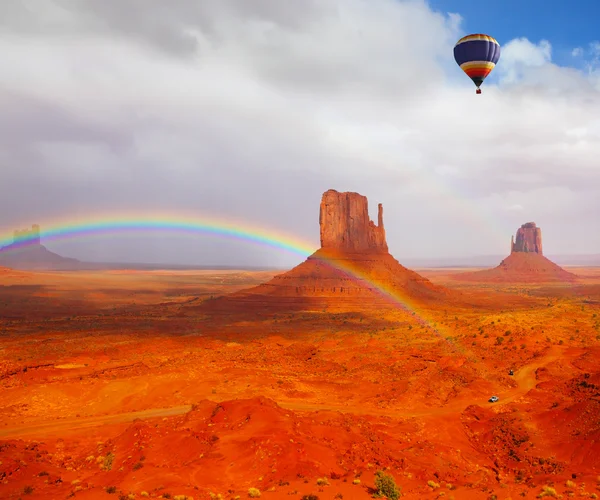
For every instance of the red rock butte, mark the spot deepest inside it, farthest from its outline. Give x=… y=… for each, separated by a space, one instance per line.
x=525 y=264
x=27 y=252
x=351 y=269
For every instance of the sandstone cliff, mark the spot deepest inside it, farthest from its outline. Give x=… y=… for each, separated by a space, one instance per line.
x=345 y=225
x=27 y=252
x=529 y=239
x=525 y=264
x=352 y=270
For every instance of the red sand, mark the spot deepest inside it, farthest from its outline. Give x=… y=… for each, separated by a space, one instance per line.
x=521 y=267
x=116 y=380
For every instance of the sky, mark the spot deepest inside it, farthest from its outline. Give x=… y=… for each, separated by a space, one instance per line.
x=249 y=111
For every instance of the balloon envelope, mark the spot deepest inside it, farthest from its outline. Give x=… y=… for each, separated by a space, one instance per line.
x=477 y=56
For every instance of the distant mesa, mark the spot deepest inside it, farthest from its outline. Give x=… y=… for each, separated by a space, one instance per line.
x=27 y=236
x=525 y=264
x=352 y=264
x=26 y=252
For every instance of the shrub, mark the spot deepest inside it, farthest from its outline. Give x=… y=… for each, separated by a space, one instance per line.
x=386 y=486
x=111 y=489
x=322 y=481
x=108 y=461
x=310 y=497
x=28 y=490
x=356 y=481
x=138 y=466
x=433 y=485
x=548 y=491
x=254 y=493
x=570 y=484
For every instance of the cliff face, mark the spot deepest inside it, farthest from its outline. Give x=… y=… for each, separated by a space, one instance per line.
x=525 y=264
x=345 y=225
x=529 y=239
x=352 y=270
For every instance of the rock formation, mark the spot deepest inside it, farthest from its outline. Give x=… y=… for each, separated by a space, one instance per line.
x=27 y=252
x=353 y=268
x=529 y=239
x=30 y=236
x=525 y=264
x=345 y=224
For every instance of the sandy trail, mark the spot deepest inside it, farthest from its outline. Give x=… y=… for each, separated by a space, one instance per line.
x=525 y=378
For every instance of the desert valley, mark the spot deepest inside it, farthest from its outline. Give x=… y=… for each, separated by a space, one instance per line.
x=313 y=383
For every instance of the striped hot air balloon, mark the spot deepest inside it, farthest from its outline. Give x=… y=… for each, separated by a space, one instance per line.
x=477 y=56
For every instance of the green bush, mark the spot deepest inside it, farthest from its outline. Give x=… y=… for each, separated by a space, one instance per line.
x=386 y=486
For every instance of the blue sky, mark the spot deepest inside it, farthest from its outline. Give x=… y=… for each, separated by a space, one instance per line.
x=565 y=24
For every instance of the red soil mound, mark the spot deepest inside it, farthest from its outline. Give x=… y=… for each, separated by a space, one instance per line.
x=348 y=280
x=353 y=266
x=521 y=267
x=231 y=446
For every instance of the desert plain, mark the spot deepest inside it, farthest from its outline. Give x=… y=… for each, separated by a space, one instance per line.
x=310 y=383
x=113 y=382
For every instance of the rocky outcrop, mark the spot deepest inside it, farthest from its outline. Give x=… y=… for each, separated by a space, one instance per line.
x=529 y=239
x=525 y=264
x=352 y=270
x=345 y=224
x=28 y=236
x=27 y=252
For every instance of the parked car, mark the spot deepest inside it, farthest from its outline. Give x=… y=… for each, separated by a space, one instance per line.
x=493 y=399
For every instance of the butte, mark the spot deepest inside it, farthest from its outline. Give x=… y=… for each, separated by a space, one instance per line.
x=27 y=253
x=525 y=264
x=352 y=270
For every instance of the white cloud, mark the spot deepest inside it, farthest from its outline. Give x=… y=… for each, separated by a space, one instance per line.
x=252 y=109
x=577 y=52
x=520 y=55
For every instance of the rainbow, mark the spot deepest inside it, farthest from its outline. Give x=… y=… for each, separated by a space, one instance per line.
x=192 y=224
x=181 y=223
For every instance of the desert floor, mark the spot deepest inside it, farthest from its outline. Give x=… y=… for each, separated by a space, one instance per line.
x=113 y=386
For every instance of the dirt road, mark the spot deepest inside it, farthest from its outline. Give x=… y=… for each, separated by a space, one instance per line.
x=525 y=378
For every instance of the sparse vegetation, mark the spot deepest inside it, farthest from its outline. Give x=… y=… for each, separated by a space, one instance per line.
x=548 y=491
x=28 y=490
x=108 y=462
x=386 y=486
x=254 y=493
x=433 y=485
x=322 y=481
x=111 y=489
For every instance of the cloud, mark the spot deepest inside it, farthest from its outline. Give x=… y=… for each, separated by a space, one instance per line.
x=250 y=110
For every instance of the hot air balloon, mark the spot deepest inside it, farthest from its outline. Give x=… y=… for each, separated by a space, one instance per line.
x=477 y=56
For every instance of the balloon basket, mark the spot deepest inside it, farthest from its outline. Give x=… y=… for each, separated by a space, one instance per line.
x=478 y=91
